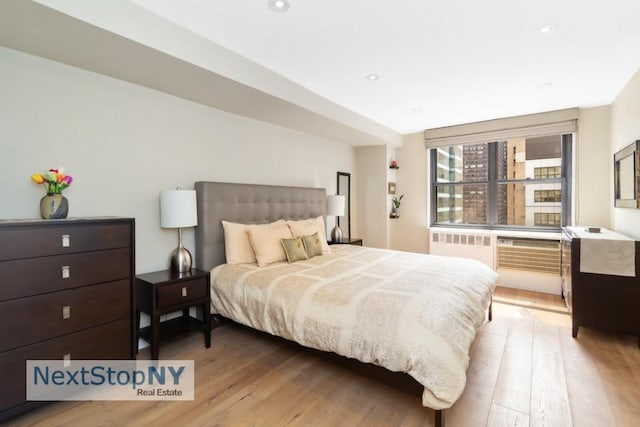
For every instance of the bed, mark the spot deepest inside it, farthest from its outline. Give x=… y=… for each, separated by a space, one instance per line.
x=414 y=315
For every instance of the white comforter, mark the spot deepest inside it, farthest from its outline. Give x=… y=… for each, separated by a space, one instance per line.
x=406 y=312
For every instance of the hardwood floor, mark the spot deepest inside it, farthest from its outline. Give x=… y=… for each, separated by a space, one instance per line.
x=525 y=370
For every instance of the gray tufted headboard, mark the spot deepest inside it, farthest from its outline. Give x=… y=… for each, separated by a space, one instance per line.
x=247 y=204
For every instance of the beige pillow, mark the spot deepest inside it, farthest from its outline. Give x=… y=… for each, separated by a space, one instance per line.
x=265 y=240
x=295 y=249
x=237 y=247
x=306 y=227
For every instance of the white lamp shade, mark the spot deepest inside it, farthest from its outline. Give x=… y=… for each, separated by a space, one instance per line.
x=335 y=205
x=178 y=209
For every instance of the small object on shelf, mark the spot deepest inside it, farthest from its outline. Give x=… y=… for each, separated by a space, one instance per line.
x=395 y=209
x=394 y=165
x=593 y=229
x=392 y=188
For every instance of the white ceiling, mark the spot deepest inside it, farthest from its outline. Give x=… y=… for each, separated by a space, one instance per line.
x=440 y=63
x=455 y=62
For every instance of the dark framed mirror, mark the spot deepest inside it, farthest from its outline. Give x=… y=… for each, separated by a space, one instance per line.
x=627 y=176
x=344 y=188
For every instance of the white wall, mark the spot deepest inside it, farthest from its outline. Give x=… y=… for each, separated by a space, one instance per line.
x=625 y=129
x=124 y=144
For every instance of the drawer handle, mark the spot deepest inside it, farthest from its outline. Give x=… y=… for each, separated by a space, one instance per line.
x=184 y=291
x=66 y=241
x=66 y=360
x=66 y=312
x=66 y=271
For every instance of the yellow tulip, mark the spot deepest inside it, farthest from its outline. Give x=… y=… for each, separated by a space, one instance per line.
x=37 y=178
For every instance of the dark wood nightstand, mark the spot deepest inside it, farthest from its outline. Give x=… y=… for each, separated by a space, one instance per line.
x=162 y=292
x=347 y=241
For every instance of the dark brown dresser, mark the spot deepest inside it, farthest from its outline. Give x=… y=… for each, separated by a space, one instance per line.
x=66 y=292
x=600 y=301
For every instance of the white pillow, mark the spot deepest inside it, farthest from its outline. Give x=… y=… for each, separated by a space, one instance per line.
x=265 y=240
x=306 y=227
x=237 y=247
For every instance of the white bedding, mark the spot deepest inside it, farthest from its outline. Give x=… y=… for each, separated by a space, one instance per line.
x=403 y=311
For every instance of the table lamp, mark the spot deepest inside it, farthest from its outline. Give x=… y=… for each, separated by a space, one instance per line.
x=335 y=207
x=178 y=210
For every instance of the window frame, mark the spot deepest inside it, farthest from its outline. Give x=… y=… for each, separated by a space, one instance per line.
x=492 y=182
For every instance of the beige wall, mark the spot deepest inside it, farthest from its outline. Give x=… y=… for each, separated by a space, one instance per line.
x=409 y=232
x=124 y=144
x=593 y=163
x=625 y=129
x=371 y=183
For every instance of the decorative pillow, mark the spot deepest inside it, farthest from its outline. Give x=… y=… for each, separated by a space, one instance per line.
x=312 y=245
x=294 y=248
x=237 y=247
x=306 y=227
x=265 y=240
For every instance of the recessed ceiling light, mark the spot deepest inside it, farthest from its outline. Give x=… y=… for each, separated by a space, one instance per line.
x=546 y=29
x=279 y=5
x=372 y=77
x=545 y=85
x=417 y=110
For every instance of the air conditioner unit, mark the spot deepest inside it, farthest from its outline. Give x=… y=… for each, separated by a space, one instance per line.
x=531 y=264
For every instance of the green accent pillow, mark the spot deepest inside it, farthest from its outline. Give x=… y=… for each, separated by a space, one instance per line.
x=312 y=244
x=294 y=248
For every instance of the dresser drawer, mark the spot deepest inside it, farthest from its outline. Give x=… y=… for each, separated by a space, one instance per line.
x=27 y=320
x=34 y=276
x=102 y=342
x=179 y=293
x=44 y=239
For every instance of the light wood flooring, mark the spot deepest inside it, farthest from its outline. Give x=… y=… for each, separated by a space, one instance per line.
x=525 y=370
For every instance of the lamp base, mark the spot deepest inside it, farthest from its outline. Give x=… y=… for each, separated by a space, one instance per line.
x=180 y=260
x=336 y=234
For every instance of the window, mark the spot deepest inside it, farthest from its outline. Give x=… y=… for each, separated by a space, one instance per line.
x=552 y=196
x=546 y=172
x=519 y=183
x=462 y=176
x=547 y=219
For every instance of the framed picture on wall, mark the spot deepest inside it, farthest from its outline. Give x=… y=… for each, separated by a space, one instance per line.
x=392 y=188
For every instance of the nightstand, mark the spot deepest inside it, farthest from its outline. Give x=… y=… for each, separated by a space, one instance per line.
x=347 y=241
x=163 y=292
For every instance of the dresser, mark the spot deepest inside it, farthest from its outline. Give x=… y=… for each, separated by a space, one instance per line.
x=606 y=302
x=66 y=292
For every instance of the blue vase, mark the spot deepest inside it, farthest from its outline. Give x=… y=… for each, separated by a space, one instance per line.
x=54 y=206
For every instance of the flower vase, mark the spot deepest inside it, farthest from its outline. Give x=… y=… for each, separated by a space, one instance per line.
x=54 y=206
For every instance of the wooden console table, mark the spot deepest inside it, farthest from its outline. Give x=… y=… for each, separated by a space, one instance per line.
x=600 y=301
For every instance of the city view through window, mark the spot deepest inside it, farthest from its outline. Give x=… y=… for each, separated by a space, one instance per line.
x=517 y=182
